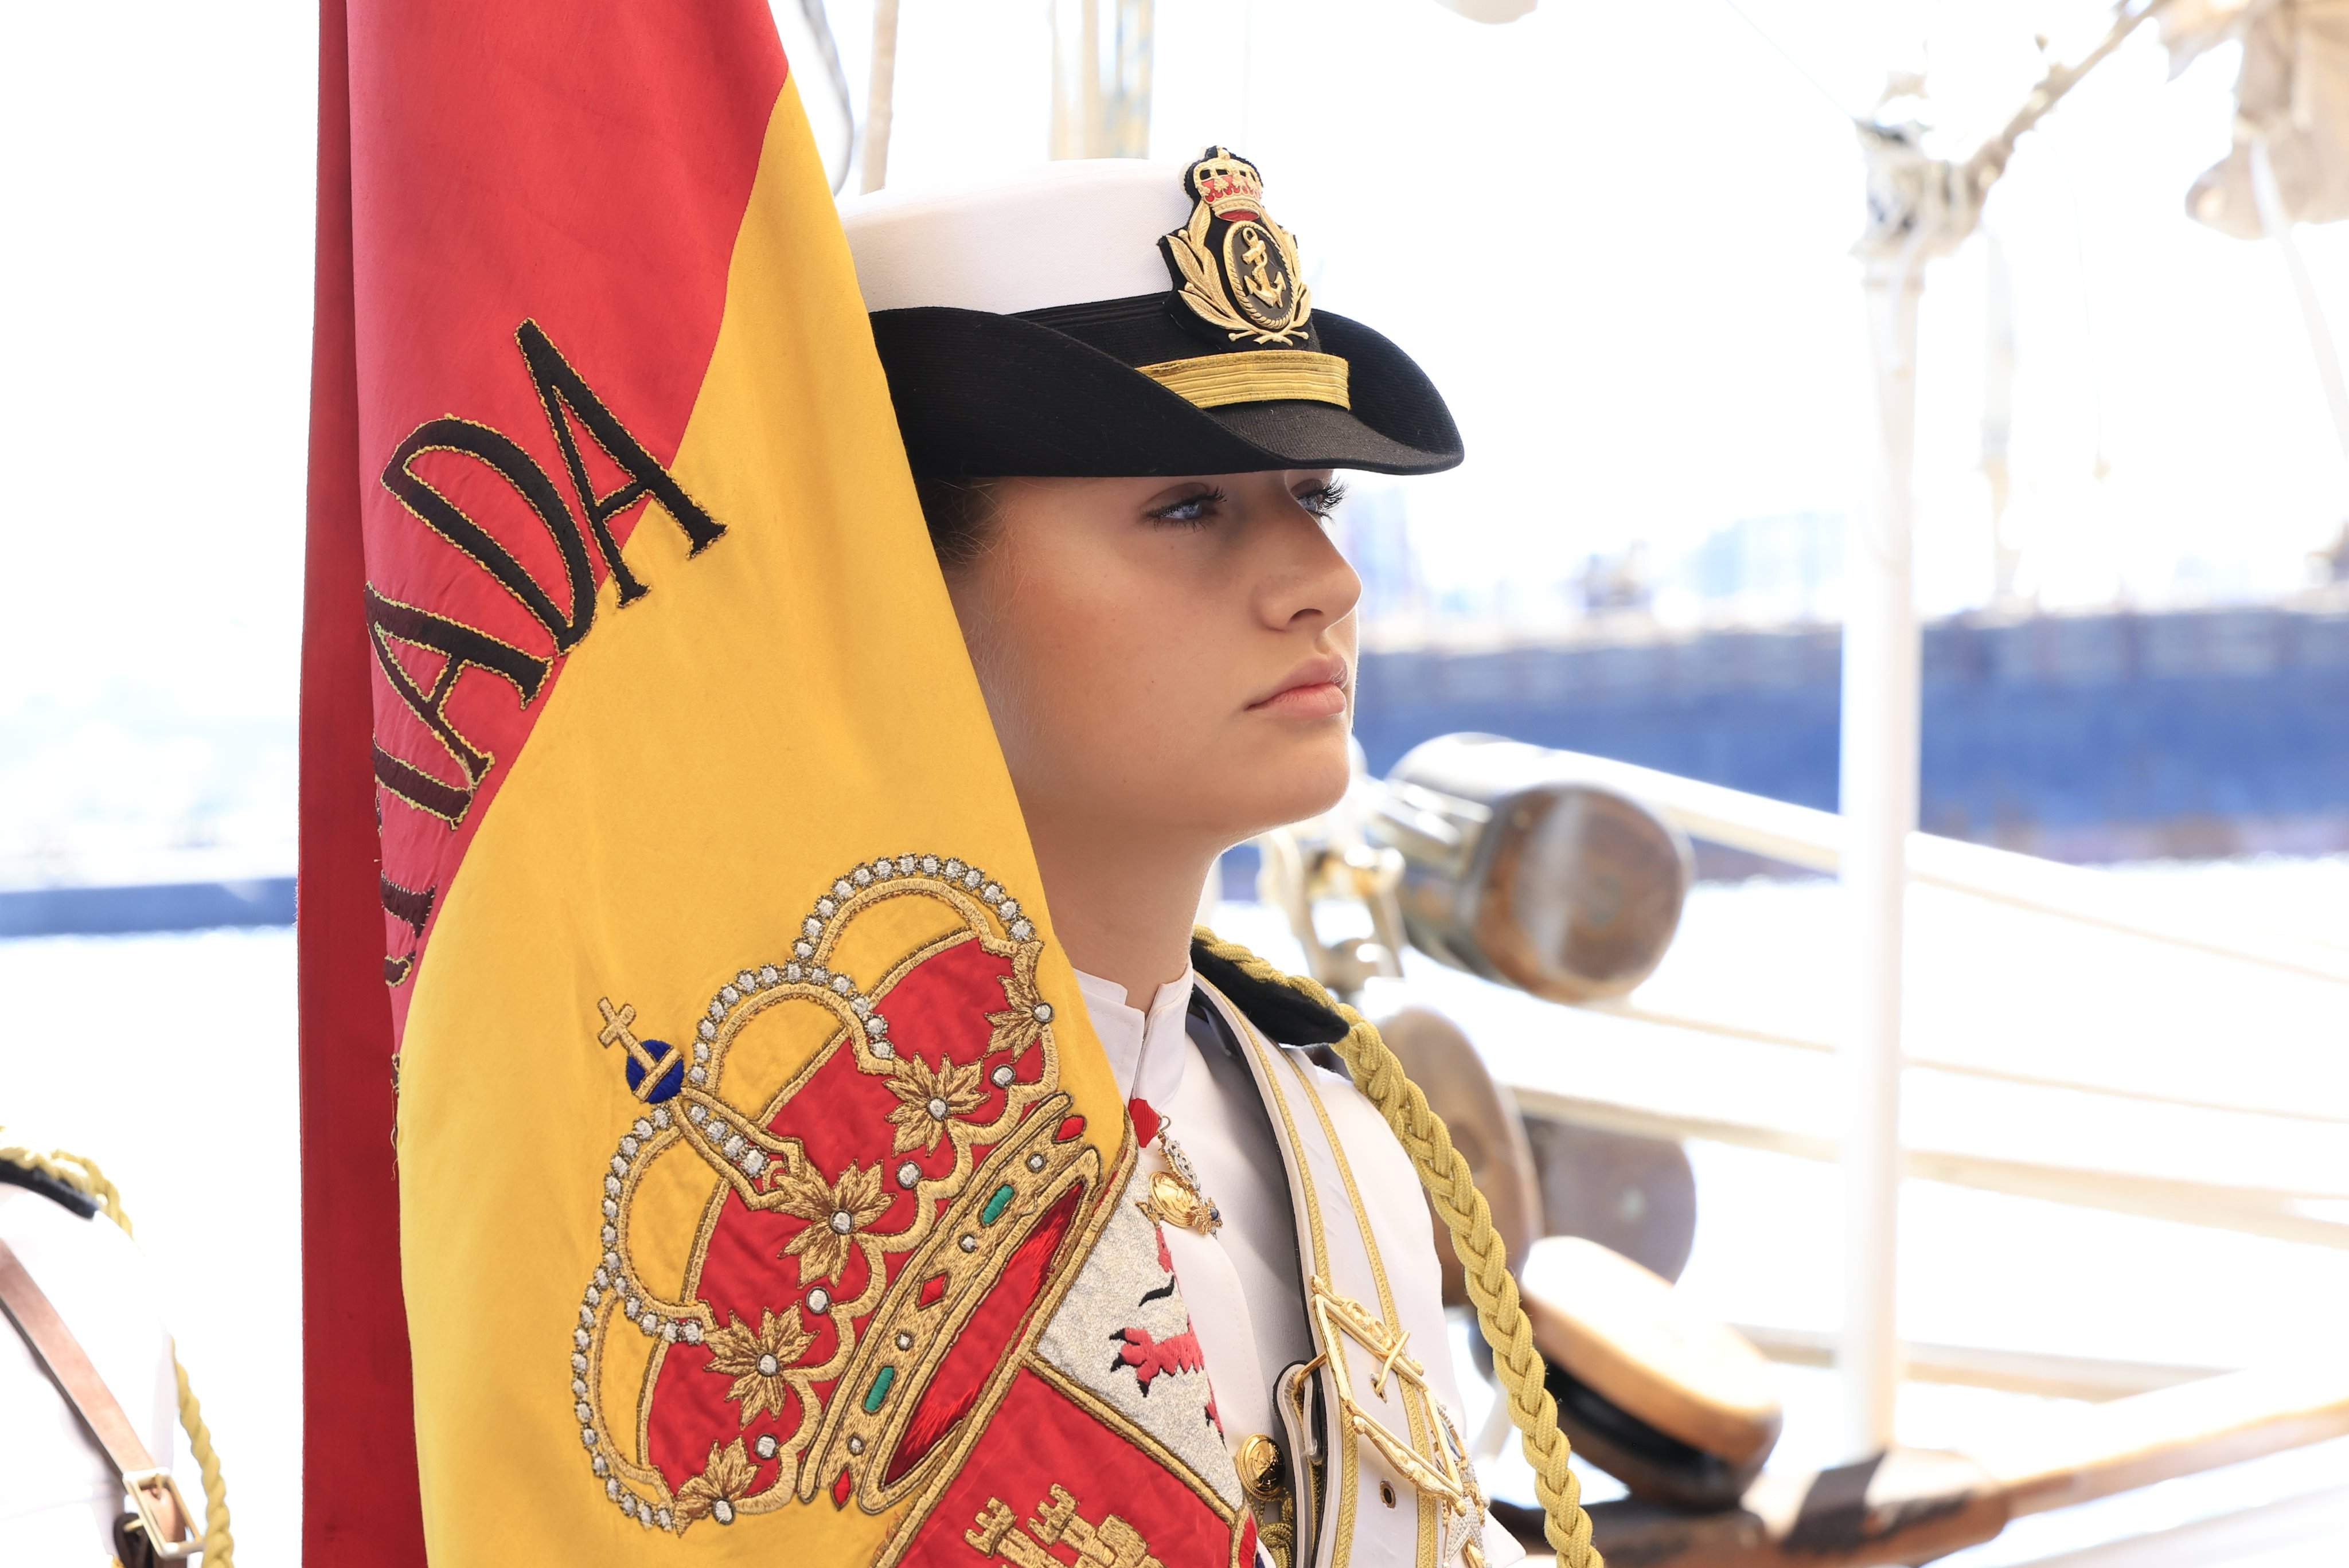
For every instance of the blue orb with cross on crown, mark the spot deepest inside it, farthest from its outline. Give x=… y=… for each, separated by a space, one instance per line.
x=667 y=1073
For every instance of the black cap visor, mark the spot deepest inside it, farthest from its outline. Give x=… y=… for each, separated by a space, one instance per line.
x=982 y=396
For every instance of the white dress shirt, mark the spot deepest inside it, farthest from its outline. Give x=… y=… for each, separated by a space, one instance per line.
x=1241 y=1284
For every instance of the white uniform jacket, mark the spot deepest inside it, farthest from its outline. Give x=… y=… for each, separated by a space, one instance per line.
x=1316 y=1300
x=58 y=1496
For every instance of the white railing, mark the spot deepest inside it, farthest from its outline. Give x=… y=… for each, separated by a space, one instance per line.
x=2282 y=1207
x=1814 y=840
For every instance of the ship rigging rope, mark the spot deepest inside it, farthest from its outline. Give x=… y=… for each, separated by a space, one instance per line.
x=81 y=1173
x=1793 y=64
x=1445 y=1174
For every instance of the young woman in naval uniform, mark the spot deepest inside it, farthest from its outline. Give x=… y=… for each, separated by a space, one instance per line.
x=1126 y=419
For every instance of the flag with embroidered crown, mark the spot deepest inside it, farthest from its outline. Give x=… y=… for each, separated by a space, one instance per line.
x=704 y=1140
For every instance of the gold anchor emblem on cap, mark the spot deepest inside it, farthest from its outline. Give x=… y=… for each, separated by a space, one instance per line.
x=1260 y=282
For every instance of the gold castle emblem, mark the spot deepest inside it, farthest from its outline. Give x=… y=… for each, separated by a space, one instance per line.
x=1112 y=1543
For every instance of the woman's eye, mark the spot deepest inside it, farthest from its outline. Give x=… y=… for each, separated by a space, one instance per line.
x=1191 y=510
x=1322 y=500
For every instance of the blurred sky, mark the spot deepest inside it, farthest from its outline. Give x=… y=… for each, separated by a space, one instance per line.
x=1616 y=235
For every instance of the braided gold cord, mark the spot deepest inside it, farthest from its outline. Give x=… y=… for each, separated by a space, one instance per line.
x=219 y=1545
x=1445 y=1174
x=81 y=1173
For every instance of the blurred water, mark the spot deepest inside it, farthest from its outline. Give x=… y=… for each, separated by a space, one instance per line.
x=172 y=1061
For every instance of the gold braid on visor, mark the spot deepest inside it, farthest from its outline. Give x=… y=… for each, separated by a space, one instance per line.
x=1254 y=375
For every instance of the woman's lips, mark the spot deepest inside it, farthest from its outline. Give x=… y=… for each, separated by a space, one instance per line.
x=1316 y=699
x=1316 y=691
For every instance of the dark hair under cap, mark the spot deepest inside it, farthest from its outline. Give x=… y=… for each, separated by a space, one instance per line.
x=959 y=515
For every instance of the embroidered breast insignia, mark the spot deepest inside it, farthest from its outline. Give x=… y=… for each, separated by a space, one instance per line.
x=841 y=1215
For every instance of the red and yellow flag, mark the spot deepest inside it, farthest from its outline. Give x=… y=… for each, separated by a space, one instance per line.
x=749 y=1128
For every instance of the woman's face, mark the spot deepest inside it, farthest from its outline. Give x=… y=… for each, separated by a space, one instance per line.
x=1165 y=658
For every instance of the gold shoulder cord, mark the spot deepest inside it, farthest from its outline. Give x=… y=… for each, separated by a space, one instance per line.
x=1445 y=1174
x=83 y=1176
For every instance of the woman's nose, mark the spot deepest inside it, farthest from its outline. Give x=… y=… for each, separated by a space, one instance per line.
x=1305 y=577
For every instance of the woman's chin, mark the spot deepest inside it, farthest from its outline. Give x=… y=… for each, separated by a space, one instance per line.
x=1307 y=780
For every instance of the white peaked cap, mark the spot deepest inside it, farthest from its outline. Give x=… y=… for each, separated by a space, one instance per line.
x=1120 y=316
x=1051 y=235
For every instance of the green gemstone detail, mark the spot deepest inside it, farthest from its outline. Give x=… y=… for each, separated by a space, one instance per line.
x=999 y=1201
x=878 y=1394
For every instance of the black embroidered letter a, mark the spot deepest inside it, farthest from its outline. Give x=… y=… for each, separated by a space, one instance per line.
x=560 y=387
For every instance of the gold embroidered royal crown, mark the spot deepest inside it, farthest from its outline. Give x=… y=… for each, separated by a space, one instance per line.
x=1229 y=184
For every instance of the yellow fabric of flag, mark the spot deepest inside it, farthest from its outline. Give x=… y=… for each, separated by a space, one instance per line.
x=788 y=705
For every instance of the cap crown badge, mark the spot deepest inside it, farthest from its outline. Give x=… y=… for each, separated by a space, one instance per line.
x=1232 y=265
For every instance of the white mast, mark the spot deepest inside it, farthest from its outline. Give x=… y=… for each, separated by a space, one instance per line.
x=1919 y=207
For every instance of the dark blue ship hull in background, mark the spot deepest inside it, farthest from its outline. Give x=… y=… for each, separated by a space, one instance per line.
x=2082 y=738
x=2109 y=736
